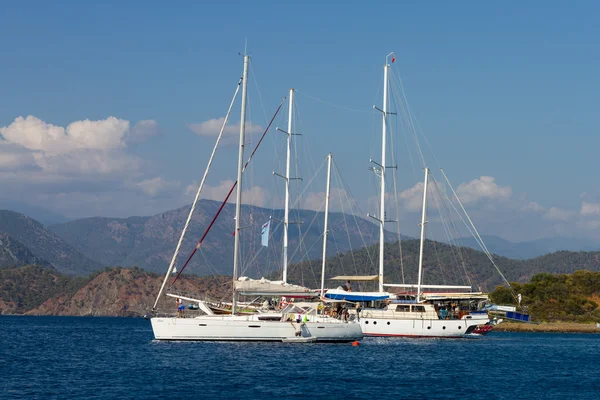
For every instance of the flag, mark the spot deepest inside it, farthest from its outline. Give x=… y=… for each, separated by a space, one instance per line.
x=393 y=58
x=264 y=234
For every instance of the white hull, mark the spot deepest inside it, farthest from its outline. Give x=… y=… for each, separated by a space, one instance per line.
x=250 y=328
x=440 y=328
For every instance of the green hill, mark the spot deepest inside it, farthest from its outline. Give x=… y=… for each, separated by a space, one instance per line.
x=443 y=264
x=557 y=297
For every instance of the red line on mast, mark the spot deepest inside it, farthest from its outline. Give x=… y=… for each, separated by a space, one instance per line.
x=228 y=194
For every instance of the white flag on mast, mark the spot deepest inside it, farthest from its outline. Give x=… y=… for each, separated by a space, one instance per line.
x=264 y=234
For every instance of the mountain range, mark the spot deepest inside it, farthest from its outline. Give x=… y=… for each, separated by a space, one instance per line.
x=44 y=245
x=86 y=245
x=529 y=249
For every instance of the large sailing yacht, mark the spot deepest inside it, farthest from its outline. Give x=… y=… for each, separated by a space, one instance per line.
x=436 y=314
x=298 y=322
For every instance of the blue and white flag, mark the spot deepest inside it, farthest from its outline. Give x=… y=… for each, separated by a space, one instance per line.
x=264 y=234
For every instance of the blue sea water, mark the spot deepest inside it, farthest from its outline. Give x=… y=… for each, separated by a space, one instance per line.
x=117 y=358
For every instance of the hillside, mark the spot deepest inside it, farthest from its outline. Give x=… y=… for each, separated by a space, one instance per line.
x=22 y=289
x=112 y=291
x=149 y=242
x=44 y=244
x=14 y=254
x=557 y=297
x=443 y=264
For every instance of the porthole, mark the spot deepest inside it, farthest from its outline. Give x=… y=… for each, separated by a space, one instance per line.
x=443 y=327
x=366 y=322
x=428 y=327
x=460 y=327
x=388 y=322
x=374 y=322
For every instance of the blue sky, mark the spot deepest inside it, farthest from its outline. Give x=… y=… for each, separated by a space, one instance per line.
x=508 y=91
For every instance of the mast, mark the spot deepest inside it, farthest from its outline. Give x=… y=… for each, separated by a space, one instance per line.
x=287 y=188
x=382 y=206
x=172 y=267
x=423 y=222
x=329 y=157
x=238 y=202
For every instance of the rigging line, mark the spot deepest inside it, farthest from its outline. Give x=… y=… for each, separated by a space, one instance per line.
x=406 y=112
x=304 y=190
x=228 y=195
x=346 y=226
x=479 y=236
x=440 y=208
x=189 y=218
x=356 y=208
x=456 y=248
x=309 y=226
x=332 y=104
x=394 y=179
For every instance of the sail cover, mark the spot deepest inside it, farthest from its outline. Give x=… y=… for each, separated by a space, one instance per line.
x=264 y=286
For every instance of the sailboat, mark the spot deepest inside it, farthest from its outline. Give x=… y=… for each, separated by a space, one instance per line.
x=421 y=315
x=295 y=322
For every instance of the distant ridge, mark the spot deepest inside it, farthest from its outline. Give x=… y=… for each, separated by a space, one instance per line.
x=529 y=249
x=45 y=245
x=149 y=242
x=15 y=254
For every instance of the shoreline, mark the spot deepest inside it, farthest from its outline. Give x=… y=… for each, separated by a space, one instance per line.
x=547 y=327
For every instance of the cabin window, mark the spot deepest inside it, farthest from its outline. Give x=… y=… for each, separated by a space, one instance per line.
x=403 y=308
x=418 y=308
x=388 y=322
x=374 y=322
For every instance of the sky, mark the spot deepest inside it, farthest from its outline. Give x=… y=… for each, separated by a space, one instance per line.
x=112 y=108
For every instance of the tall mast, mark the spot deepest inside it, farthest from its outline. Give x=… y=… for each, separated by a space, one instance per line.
x=423 y=222
x=287 y=187
x=329 y=157
x=238 y=201
x=382 y=206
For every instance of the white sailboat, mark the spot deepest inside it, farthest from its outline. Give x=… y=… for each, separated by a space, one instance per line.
x=297 y=322
x=418 y=317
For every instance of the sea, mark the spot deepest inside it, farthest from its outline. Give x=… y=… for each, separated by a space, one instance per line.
x=118 y=358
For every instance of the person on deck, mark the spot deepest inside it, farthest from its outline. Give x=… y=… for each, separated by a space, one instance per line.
x=347 y=287
x=180 y=309
x=443 y=313
x=358 y=310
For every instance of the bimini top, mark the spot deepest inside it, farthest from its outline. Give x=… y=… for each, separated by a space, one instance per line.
x=341 y=294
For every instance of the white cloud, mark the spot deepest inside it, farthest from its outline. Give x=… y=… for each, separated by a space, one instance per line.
x=143 y=130
x=14 y=157
x=412 y=198
x=256 y=196
x=532 y=206
x=484 y=187
x=36 y=135
x=231 y=133
x=339 y=200
x=557 y=214
x=157 y=185
x=588 y=208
